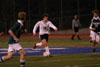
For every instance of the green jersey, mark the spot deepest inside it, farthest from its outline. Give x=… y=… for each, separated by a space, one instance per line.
x=17 y=30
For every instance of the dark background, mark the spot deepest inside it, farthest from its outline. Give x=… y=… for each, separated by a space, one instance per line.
x=60 y=12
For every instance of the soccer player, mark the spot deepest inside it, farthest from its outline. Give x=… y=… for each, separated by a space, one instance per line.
x=14 y=46
x=75 y=26
x=95 y=29
x=44 y=29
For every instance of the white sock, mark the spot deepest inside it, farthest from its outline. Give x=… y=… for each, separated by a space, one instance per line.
x=38 y=44
x=1 y=59
x=47 y=50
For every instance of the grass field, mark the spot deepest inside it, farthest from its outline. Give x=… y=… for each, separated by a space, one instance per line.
x=73 y=60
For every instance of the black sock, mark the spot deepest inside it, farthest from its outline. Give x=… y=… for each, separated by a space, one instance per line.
x=78 y=37
x=94 y=50
x=22 y=63
x=73 y=36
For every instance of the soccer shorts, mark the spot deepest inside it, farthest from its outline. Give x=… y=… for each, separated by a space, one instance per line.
x=76 y=29
x=44 y=36
x=14 y=47
x=95 y=36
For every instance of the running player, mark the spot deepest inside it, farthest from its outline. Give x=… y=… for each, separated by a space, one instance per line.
x=95 y=29
x=44 y=29
x=14 y=46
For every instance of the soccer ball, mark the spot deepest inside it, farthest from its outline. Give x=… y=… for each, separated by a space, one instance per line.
x=46 y=54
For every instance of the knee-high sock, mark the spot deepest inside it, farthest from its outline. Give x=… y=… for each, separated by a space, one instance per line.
x=78 y=37
x=1 y=59
x=73 y=36
x=22 y=63
x=47 y=49
x=38 y=44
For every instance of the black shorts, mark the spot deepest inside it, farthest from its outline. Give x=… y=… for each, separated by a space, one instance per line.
x=44 y=36
x=76 y=29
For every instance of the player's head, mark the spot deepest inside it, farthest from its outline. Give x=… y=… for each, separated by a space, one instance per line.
x=45 y=17
x=75 y=16
x=22 y=15
x=95 y=13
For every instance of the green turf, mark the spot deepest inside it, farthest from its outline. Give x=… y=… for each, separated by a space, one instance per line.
x=74 y=60
x=51 y=43
x=78 y=60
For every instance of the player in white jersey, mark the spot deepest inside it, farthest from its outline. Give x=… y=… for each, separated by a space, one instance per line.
x=44 y=29
x=95 y=29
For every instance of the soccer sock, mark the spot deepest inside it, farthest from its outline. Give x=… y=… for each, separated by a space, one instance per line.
x=1 y=59
x=94 y=50
x=78 y=37
x=38 y=44
x=47 y=50
x=73 y=36
x=22 y=63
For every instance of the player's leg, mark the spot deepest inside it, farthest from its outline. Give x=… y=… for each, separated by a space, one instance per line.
x=22 y=58
x=74 y=33
x=95 y=42
x=77 y=33
x=40 y=43
x=93 y=36
x=9 y=56
x=44 y=44
x=97 y=38
x=78 y=36
x=22 y=53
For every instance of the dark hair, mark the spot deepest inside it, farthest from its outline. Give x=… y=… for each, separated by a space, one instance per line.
x=22 y=15
x=45 y=15
x=95 y=11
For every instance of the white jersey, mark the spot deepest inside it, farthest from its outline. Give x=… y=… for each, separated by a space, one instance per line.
x=44 y=27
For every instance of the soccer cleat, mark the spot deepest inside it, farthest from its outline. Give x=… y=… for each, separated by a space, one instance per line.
x=34 y=46
x=79 y=38
x=50 y=55
x=72 y=38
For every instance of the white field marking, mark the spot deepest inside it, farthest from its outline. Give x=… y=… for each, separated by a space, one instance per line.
x=3 y=52
x=57 y=61
x=3 y=49
x=50 y=48
x=32 y=51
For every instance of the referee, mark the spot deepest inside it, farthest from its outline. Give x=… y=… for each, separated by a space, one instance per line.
x=75 y=26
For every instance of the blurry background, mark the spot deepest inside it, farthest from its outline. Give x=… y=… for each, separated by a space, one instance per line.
x=60 y=12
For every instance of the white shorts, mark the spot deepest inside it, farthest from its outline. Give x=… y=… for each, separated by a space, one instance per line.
x=14 y=47
x=95 y=36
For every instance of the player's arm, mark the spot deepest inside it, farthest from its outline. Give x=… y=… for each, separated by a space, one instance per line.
x=12 y=30
x=91 y=27
x=35 y=28
x=13 y=35
x=53 y=26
